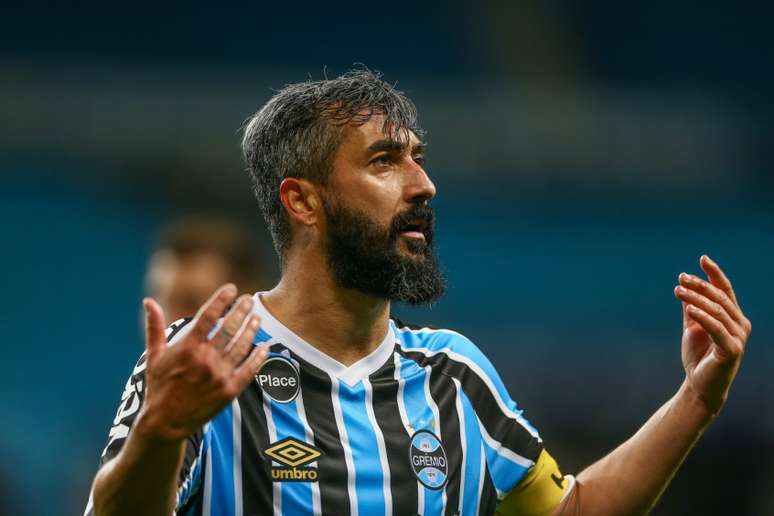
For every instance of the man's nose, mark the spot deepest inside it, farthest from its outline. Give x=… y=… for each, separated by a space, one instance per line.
x=419 y=187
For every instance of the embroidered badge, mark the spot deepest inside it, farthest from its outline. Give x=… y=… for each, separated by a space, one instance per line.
x=428 y=459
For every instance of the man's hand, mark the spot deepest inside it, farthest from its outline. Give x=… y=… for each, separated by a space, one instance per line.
x=187 y=384
x=715 y=333
x=630 y=479
x=191 y=381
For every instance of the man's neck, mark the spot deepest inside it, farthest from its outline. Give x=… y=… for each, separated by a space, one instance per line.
x=344 y=324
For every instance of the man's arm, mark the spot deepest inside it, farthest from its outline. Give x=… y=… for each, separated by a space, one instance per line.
x=632 y=477
x=142 y=479
x=188 y=384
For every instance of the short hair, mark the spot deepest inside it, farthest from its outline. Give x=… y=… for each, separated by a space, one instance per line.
x=220 y=236
x=296 y=133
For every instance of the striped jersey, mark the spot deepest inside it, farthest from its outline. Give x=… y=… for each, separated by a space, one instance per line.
x=422 y=425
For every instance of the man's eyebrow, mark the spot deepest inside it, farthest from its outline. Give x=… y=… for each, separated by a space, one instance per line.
x=390 y=145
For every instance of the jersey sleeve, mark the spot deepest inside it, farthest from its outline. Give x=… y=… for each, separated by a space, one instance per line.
x=512 y=444
x=525 y=476
x=128 y=408
x=527 y=479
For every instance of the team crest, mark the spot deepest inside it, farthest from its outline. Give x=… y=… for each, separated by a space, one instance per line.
x=293 y=456
x=428 y=459
x=279 y=379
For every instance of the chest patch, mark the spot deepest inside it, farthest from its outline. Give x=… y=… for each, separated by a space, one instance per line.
x=279 y=379
x=428 y=459
x=293 y=456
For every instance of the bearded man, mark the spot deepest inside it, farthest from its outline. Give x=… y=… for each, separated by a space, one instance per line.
x=309 y=399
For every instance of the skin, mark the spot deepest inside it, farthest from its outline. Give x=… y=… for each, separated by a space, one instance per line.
x=380 y=179
x=631 y=478
x=189 y=384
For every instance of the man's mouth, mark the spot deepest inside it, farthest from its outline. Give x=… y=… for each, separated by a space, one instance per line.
x=415 y=229
x=414 y=234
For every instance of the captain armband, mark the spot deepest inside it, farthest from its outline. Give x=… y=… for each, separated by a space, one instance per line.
x=540 y=492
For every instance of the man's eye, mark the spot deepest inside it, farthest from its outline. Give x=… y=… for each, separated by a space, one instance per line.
x=384 y=159
x=419 y=160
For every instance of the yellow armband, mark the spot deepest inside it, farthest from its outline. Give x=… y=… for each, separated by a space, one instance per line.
x=540 y=491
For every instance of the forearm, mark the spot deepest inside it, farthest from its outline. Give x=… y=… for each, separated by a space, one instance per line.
x=142 y=478
x=632 y=477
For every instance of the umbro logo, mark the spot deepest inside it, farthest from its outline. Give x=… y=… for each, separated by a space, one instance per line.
x=293 y=455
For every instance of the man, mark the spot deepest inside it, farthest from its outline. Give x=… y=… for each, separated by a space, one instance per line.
x=353 y=413
x=194 y=256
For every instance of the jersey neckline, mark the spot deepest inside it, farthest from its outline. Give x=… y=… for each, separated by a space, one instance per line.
x=351 y=374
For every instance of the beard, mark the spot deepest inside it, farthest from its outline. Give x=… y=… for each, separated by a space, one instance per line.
x=365 y=256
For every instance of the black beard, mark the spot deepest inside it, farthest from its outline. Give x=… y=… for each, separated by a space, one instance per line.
x=364 y=256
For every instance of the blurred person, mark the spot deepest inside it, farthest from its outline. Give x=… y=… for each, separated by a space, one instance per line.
x=351 y=412
x=194 y=256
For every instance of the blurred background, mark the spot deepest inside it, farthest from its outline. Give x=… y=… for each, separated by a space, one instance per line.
x=584 y=154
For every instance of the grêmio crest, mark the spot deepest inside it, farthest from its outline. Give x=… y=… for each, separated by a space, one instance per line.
x=428 y=459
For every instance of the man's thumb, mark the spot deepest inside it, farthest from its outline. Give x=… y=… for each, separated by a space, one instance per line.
x=155 y=340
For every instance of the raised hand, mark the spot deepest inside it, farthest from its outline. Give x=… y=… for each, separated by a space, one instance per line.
x=192 y=380
x=715 y=333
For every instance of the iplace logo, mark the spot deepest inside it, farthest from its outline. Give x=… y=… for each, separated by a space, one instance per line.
x=279 y=379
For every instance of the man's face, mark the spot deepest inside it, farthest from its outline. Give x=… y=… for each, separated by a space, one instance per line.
x=379 y=226
x=182 y=284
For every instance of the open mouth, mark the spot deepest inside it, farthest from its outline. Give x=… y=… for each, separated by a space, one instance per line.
x=415 y=229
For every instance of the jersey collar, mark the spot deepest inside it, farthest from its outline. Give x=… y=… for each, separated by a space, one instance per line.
x=351 y=374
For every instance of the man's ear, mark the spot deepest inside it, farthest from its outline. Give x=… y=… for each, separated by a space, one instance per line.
x=301 y=200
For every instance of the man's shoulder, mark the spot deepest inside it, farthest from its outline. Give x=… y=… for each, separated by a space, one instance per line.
x=433 y=339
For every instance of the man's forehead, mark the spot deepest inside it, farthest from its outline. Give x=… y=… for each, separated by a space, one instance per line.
x=375 y=130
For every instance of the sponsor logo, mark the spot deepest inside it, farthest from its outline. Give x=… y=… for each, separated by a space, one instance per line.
x=293 y=455
x=428 y=459
x=279 y=379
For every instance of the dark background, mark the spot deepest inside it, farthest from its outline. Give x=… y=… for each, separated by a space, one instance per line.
x=584 y=154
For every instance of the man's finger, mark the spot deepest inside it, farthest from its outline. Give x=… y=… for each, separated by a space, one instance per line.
x=711 y=307
x=155 y=323
x=715 y=328
x=709 y=290
x=242 y=344
x=717 y=276
x=211 y=311
x=687 y=319
x=233 y=321
x=246 y=371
